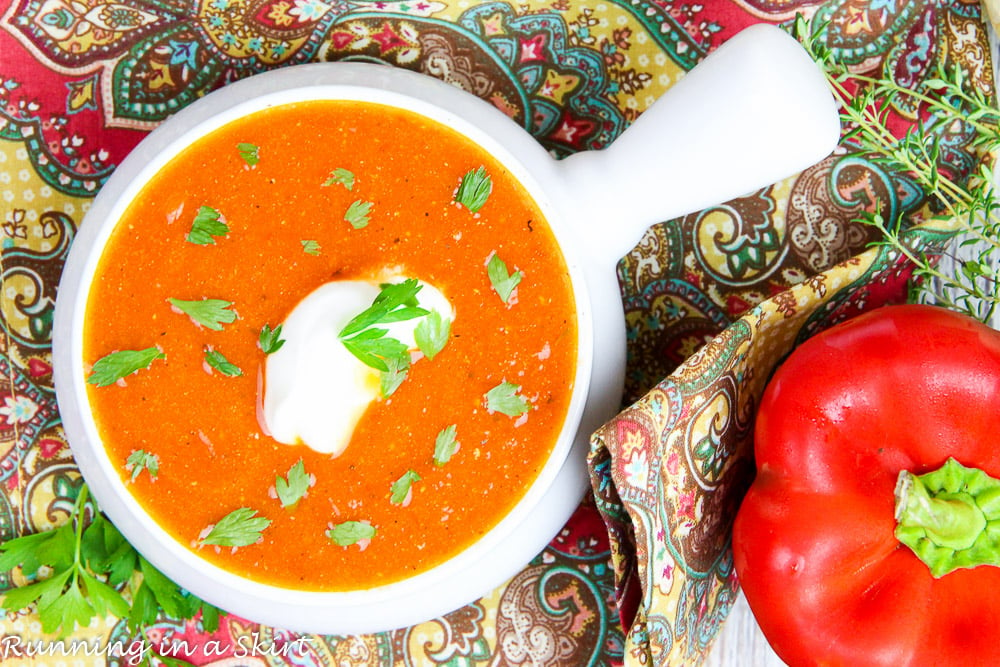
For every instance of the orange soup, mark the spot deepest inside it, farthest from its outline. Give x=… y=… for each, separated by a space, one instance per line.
x=251 y=219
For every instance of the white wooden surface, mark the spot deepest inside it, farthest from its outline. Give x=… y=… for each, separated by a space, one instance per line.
x=741 y=644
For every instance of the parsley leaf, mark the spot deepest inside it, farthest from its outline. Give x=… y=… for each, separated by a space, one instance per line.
x=270 y=340
x=113 y=367
x=373 y=348
x=310 y=247
x=394 y=303
x=208 y=223
x=218 y=361
x=504 y=398
x=210 y=313
x=358 y=213
x=341 y=176
x=431 y=334
x=250 y=153
x=398 y=369
x=474 y=189
x=239 y=528
x=401 y=487
x=445 y=445
x=502 y=281
x=293 y=489
x=140 y=460
x=351 y=532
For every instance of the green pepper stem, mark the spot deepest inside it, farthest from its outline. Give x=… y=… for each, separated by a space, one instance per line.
x=950 y=517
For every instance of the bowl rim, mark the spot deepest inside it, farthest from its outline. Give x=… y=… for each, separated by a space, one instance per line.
x=489 y=561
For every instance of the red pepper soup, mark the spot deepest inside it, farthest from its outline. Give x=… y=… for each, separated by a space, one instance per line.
x=221 y=246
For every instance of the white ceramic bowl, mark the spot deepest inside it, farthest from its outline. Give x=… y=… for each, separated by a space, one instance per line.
x=759 y=101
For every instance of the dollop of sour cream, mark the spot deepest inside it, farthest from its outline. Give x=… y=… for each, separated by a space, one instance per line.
x=315 y=390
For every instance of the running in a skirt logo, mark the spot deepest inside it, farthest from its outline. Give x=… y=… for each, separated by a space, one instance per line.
x=137 y=651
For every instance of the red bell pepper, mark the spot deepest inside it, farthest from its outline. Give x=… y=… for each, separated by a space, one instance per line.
x=871 y=534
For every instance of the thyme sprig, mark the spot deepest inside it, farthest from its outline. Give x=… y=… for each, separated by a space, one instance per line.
x=968 y=278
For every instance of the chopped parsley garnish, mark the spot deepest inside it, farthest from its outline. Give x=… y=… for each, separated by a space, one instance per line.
x=390 y=379
x=293 y=489
x=270 y=340
x=218 y=361
x=239 y=528
x=208 y=223
x=351 y=532
x=116 y=366
x=358 y=213
x=250 y=153
x=341 y=176
x=504 y=399
x=445 y=445
x=431 y=334
x=396 y=302
x=140 y=460
x=501 y=280
x=373 y=348
x=368 y=342
x=210 y=313
x=310 y=247
x=401 y=487
x=366 y=338
x=474 y=189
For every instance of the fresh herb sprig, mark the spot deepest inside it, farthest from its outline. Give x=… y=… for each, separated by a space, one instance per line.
x=365 y=337
x=967 y=204
x=92 y=571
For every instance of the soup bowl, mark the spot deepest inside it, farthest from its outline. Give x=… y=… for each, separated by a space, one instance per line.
x=759 y=101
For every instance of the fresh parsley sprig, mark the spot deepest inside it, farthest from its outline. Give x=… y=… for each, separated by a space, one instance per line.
x=364 y=337
x=396 y=302
x=92 y=571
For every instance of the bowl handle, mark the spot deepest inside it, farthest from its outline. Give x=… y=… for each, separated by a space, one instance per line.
x=755 y=111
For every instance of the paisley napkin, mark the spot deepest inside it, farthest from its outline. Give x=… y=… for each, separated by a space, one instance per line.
x=82 y=82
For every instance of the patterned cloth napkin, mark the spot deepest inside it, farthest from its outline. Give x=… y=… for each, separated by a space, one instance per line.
x=710 y=302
